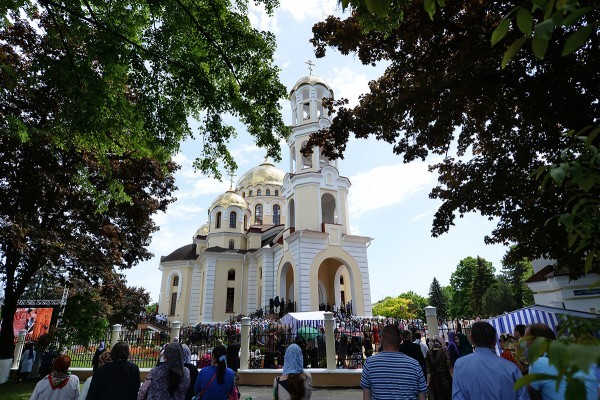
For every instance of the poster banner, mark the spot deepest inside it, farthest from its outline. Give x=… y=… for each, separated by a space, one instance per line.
x=36 y=321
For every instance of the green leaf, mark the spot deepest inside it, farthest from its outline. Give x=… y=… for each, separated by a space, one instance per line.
x=591 y=137
x=588 y=260
x=558 y=173
x=379 y=7
x=575 y=15
x=539 y=47
x=544 y=30
x=429 y=6
x=527 y=379
x=575 y=389
x=345 y=4
x=524 y=21
x=537 y=349
x=577 y=39
x=500 y=31
x=512 y=50
x=441 y=3
x=541 y=4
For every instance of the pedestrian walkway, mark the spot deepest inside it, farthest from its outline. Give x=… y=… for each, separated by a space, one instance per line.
x=266 y=393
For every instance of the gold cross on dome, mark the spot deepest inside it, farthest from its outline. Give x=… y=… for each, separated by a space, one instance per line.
x=310 y=66
x=231 y=176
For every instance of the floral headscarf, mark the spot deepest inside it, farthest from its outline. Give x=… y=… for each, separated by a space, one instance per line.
x=293 y=360
x=438 y=343
x=174 y=358
x=104 y=358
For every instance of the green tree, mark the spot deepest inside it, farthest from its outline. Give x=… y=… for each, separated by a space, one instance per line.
x=437 y=299
x=461 y=282
x=391 y=307
x=517 y=273
x=96 y=99
x=416 y=305
x=498 y=298
x=449 y=295
x=496 y=128
x=483 y=279
x=84 y=318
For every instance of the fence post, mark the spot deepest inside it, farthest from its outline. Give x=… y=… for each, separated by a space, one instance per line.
x=432 y=323
x=19 y=349
x=116 y=333
x=175 y=328
x=245 y=343
x=329 y=340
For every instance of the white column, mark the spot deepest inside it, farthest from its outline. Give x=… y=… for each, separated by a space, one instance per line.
x=245 y=343
x=329 y=340
x=19 y=349
x=175 y=328
x=116 y=333
x=431 y=317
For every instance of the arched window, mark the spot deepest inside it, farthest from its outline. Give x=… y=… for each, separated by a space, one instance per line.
x=245 y=222
x=231 y=244
x=176 y=280
x=250 y=193
x=276 y=214
x=258 y=214
x=231 y=275
x=244 y=194
x=291 y=214
x=260 y=273
x=277 y=193
x=259 y=192
x=232 y=219
x=218 y=221
x=306 y=161
x=341 y=279
x=229 y=300
x=328 y=209
x=268 y=192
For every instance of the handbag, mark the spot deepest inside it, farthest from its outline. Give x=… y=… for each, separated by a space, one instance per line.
x=235 y=394
x=201 y=394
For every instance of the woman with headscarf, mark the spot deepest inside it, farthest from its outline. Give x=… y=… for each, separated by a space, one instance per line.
x=439 y=371
x=464 y=346
x=169 y=380
x=118 y=379
x=453 y=348
x=215 y=382
x=101 y=349
x=59 y=384
x=187 y=362
x=27 y=360
x=103 y=359
x=294 y=383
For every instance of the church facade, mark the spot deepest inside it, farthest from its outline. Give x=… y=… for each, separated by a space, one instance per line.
x=275 y=234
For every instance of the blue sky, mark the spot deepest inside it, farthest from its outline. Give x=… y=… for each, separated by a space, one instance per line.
x=388 y=199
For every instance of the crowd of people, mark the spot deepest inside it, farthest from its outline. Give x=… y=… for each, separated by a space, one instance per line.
x=396 y=363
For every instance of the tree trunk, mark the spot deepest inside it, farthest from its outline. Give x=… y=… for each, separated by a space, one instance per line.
x=7 y=337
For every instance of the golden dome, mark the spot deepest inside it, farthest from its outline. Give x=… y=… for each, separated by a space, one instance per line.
x=311 y=80
x=228 y=199
x=264 y=174
x=202 y=231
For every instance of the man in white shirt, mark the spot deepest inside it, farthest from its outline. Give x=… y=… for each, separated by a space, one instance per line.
x=418 y=341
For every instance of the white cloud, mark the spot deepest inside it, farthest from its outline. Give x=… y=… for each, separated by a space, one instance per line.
x=422 y=215
x=386 y=186
x=308 y=9
x=349 y=83
x=247 y=153
x=259 y=19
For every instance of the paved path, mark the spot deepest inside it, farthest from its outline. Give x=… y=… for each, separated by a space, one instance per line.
x=266 y=393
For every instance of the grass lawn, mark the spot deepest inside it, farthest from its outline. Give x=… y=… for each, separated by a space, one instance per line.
x=12 y=390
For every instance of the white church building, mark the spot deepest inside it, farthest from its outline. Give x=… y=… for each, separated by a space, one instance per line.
x=274 y=234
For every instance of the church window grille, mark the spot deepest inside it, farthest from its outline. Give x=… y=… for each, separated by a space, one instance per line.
x=232 y=219
x=258 y=214
x=268 y=192
x=173 y=303
x=231 y=275
x=176 y=281
x=231 y=244
x=229 y=301
x=218 y=221
x=259 y=192
x=276 y=215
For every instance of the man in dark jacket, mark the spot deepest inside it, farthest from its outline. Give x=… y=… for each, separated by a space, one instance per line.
x=117 y=380
x=413 y=350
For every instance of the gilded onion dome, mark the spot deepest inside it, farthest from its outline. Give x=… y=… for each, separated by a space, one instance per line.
x=203 y=230
x=265 y=174
x=228 y=199
x=311 y=80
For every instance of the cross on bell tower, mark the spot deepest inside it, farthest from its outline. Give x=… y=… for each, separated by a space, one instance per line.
x=310 y=66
